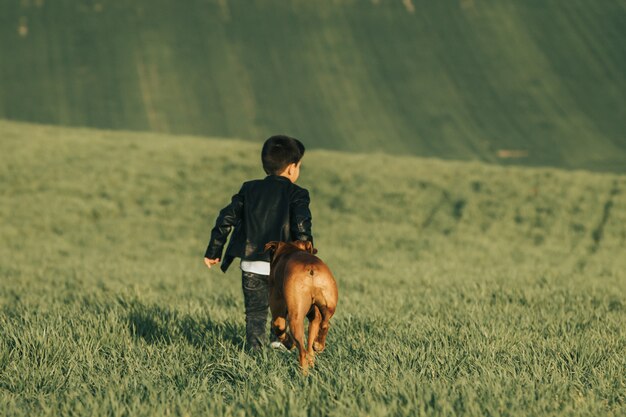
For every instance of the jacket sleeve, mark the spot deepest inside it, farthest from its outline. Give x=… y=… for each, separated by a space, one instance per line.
x=300 y=216
x=229 y=216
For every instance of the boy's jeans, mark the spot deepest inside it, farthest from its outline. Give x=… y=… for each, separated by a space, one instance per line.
x=256 y=301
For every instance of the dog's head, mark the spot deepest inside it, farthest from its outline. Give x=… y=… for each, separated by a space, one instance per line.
x=279 y=248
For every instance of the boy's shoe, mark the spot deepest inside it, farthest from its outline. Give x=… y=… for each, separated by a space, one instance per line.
x=278 y=346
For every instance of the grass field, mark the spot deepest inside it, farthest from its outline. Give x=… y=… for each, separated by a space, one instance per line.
x=455 y=79
x=465 y=288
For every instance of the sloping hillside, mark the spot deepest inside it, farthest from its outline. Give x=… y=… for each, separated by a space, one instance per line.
x=533 y=82
x=163 y=192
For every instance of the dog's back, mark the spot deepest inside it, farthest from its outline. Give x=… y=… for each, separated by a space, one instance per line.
x=307 y=274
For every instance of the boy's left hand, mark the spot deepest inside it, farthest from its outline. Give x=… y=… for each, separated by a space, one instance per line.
x=210 y=262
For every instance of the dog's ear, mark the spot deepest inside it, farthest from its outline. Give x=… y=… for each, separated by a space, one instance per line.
x=308 y=245
x=271 y=246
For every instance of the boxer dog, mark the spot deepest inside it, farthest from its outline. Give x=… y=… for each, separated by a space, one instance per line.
x=301 y=285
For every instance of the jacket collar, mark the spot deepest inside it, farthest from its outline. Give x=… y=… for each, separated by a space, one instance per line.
x=277 y=178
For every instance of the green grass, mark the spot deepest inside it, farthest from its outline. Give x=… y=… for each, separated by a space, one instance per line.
x=455 y=79
x=465 y=288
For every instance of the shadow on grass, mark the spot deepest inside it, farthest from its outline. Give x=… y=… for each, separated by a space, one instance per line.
x=156 y=324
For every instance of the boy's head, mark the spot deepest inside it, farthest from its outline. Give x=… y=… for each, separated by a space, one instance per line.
x=279 y=152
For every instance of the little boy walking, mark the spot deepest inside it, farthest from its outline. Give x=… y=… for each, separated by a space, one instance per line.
x=271 y=209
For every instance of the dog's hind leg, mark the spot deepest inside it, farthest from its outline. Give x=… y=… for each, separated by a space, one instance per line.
x=326 y=313
x=296 y=327
x=315 y=318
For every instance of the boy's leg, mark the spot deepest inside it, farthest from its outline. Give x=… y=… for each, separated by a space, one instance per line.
x=256 y=301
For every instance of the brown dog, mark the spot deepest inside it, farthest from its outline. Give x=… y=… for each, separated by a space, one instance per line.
x=301 y=285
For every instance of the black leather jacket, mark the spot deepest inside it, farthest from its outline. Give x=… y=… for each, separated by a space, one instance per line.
x=271 y=209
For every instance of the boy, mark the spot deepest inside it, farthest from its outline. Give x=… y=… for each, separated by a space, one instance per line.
x=271 y=209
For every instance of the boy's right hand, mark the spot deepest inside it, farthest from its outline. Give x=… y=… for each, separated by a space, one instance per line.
x=210 y=262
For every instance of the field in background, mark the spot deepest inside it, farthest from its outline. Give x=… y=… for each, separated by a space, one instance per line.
x=462 y=79
x=465 y=288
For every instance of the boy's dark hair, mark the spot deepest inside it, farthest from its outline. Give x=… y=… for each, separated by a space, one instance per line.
x=280 y=151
